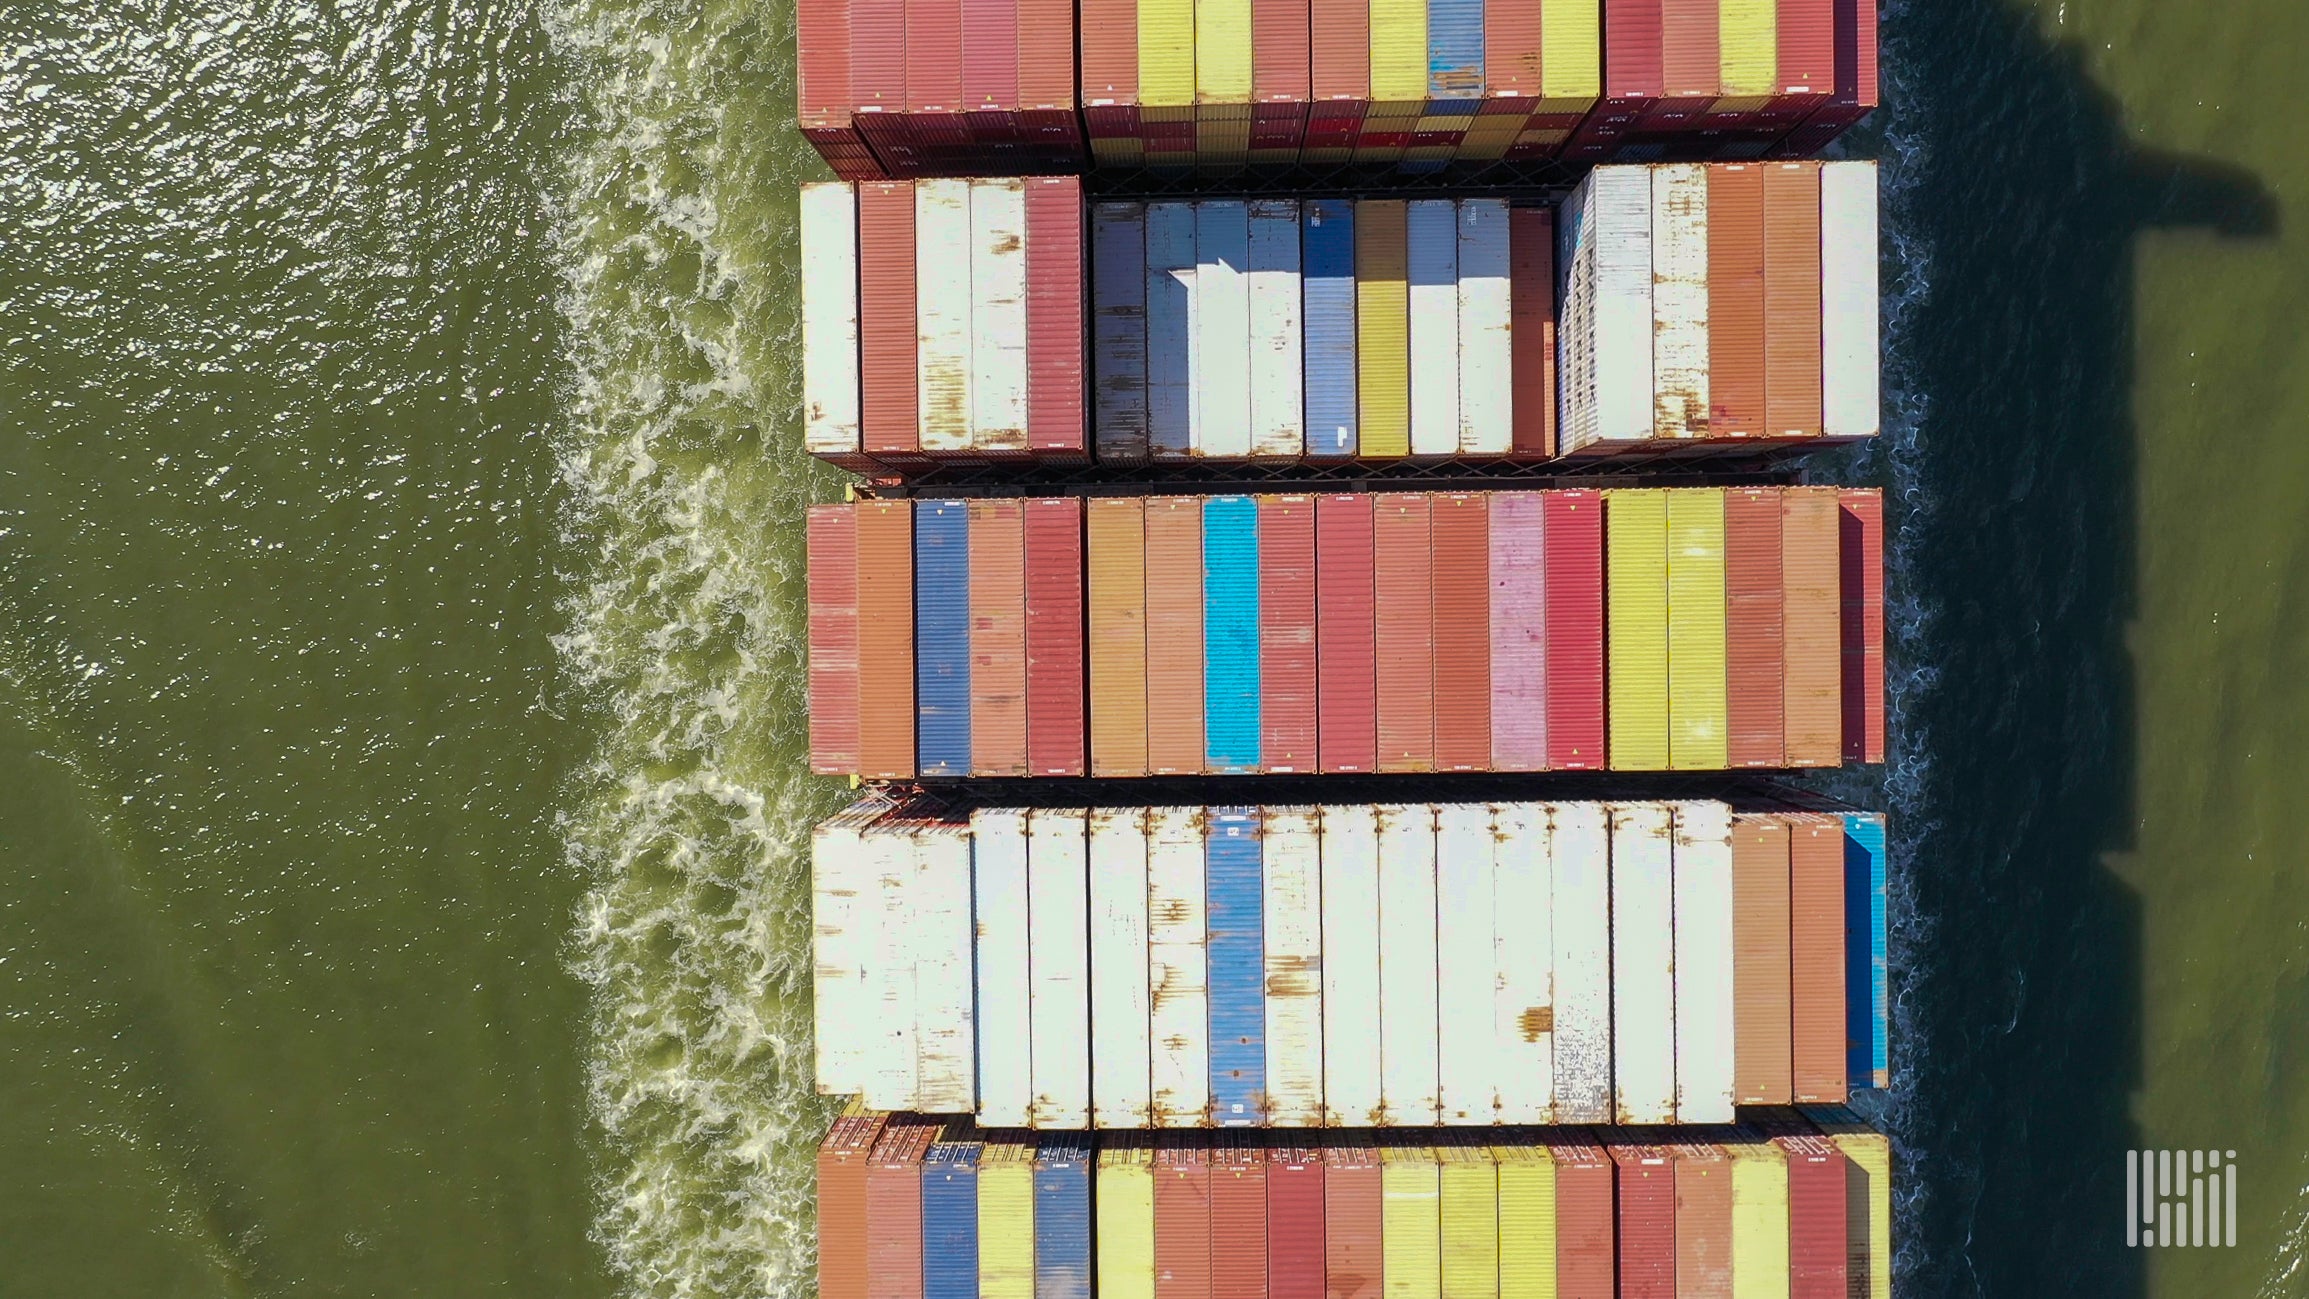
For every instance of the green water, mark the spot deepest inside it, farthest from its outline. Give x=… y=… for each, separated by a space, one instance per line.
x=400 y=801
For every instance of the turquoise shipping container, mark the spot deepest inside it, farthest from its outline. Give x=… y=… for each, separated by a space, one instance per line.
x=1867 y=1001
x=1231 y=634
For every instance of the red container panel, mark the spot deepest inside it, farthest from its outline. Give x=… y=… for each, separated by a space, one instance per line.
x=887 y=334
x=878 y=59
x=1586 y=1248
x=885 y=639
x=997 y=637
x=1461 y=523
x=1511 y=52
x=1861 y=553
x=1182 y=1210
x=934 y=56
x=1339 y=33
x=1054 y=649
x=1238 y=1220
x=1736 y=301
x=1817 y=1174
x=1046 y=76
x=894 y=1211
x=1531 y=319
x=1054 y=327
x=822 y=64
x=1754 y=648
x=1346 y=644
x=1403 y=605
x=1109 y=58
x=833 y=543
x=1647 y=1221
x=1354 y=1202
x=1294 y=1223
x=989 y=55
x=1575 y=661
x=1690 y=65
x=1279 y=52
x=1287 y=706
x=1807 y=47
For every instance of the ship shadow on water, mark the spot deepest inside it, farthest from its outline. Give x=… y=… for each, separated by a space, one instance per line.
x=2021 y=1051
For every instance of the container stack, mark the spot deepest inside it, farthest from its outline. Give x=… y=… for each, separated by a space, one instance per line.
x=1319 y=654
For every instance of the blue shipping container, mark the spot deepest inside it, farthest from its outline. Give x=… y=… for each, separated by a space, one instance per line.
x=950 y=1219
x=1866 y=1001
x=1454 y=55
x=1062 y=1216
x=1118 y=264
x=1329 y=255
x=1235 y=949
x=942 y=637
x=1231 y=633
x=1170 y=327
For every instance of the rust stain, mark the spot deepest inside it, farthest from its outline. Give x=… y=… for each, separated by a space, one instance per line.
x=1173 y=911
x=1536 y=1020
x=1009 y=243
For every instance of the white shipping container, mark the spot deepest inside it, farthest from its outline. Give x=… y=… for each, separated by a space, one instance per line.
x=1407 y=1031
x=890 y=1066
x=1849 y=299
x=1523 y=959
x=1580 y=861
x=1643 y=959
x=945 y=1039
x=1058 y=957
x=1005 y=1035
x=1222 y=355
x=1704 y=987
x=1486 y=343
x=1118 y=969
x=830 y=317
x=1278 y=410
x=1431 y=240
x=843 y=900
x=1679 y=216
x=1292 y=866
x=1177 y=968
x=942 y=313
x=1118 y=274
x=1622 y=335
x=1575 y=256
x=1466 y=982
x=1170 y=328
x=1351 y=1092
x=998 y=314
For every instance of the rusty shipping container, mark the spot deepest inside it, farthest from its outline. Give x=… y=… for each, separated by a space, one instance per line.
x=832 y=538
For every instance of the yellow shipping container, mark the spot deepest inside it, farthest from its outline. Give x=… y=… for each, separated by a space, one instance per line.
x=1571 y=54
x=1006 y=1219
x=1223 y=51
x=1759 y=1220
x=1526 y=1222
x=1748 y=52
x=1382 y=329
x=1698 y=728
x=1470 y=1214
x=1125 y=1198
x=1868 y=1203
x=1399 y=52
x=1411 y=1241
x=1636 y=626
x=1166 y=53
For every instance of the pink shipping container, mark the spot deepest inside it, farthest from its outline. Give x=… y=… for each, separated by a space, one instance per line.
x=1518 y=618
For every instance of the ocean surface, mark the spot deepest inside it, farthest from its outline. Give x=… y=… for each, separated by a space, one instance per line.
x=402 y=826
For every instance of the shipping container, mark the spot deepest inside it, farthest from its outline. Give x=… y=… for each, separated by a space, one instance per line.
x=1382 y=316
x=1520 y=961
x=890 y=1077
x=1277 y=329
x=1679 y=300
x=950 y=1214
x=1865 y=959
x=1052 y=539
x=1468 y=1208
x=830 y=319
x=832 y=538
x=1125 y=1197
x=1868 y=1199
x=1849 y=300
x=1411 y=1242
x=1517 y=615
x=1643 y=964
x=1759 y=1219
x=1116 y=573
x=1526 y=1222
x=1697 y=725
x=1062 y=1222
x=1120 y=1063
x=1624 y=378
x=1861 y=581
x=885 y=531
x=1486 y=361
x=1238 y=1218
x=1586 y=1236
x=1532 y=331
x=1574 y=555
x=1352 y=1093
x=1055 y=285
x=947 y=1036
x=1760 y=934
x=1177 y=967
x=942 y=309
x=1058 y=906
x=1294 y=1222
x=997 y=631
x=1328 y=237
x=1706 y=964
x=843 y=1264
x=997 y=329
x=1174 y=620
x=1817 y=1196
x=1792 y=298
x=1754 y=641
x=1637 y=635
x=942 y=722
x=1704 y=1227
x=1346 y=653
x=1119 y=286
x=1402 y=582
x=1292 y=947
x=845 y=920
x=1235 y=950
x=1182 y=1201
x=1230 y=589
x=1431 y=243
x=1811 y=597
x=1287 y=599
x=1354 y=1217
x=1736 y=317
x=1005 y=984
x=1006 y=1216
x=1170 y=328
x=1466 y=977
x=1646 y=1203
x=1408 y=1025
x=894 y=1209
x=1221 y=379
x=1580 y=854
x=1816 y=945
x=1460 y=553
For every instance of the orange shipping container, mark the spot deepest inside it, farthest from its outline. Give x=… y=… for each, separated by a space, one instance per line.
x=1401 y=581
x=1810 y=586
x=1753 y=647
x=1736 y=301
x=1816 y=961
x=1703 y=1221
x=842 y=1205
x=1182 y=1211
x=1174 y=635
x=1531 y=335
x=1863 y=635
x=1792 y=299
x=1118 y=652
x=1462 y=592
x=885 y=639
x=1354 y=1209
x=997 y=637
x=1761 y=978
x=1586 y=1243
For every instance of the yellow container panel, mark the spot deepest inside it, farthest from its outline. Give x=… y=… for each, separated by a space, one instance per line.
x=1399 y=50
x=1636 y=626
x=1411 y=1240
x=1571 y=50
x=1748 y=51
x=1526 y=1223
x=1759 y=1221
x=1223 y=51
x=1126 y=1261
x=1166 y=52
x=1006 y=1221
x=1382 y=329
x=1698 y=726
x=1470 y=1214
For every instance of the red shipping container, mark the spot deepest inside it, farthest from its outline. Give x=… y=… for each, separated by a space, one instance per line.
x=885 y=639
x=1586 y=1248
x=1816 y=957
x=1346 y=634
x=887 y=334
x=1736 y=301
x=1287 y=709
x=1633 y=78
x=1354 y=1201
x=1575 y=682
x=1182 y=1212
x=1294 y=1222
x=1054 y=328
x=1174 y=635
x=1806 y=31
x=1531 y=320
x=833 y=545
x=1279 y=54
x=1647 y=1220
x=1861 y=554
x=842 y=1160
x=1792 y=299
x=1238 y=1218
x=894 y=1210
x=1461 y=523
x=1511 y=57
x=933 y=57
x=997 y=637
x=1054 y=651
x=1403 y=607
x=1046 y=95
x=1817 y=1174
x=1754 y=647
x=878 y=57
x=989 y=57
x=1703 y=1220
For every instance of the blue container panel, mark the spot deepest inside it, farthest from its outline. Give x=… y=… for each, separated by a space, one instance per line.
x=1866 y=995
x=1236 y=951
x=1170 y=327
x=942 y=637
x=1062 y=1217
x=1431 y=245
x=1328 y=247
x=950 y=1222
x=1118 y=264
x=1231 y=633
x=1455 y=49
